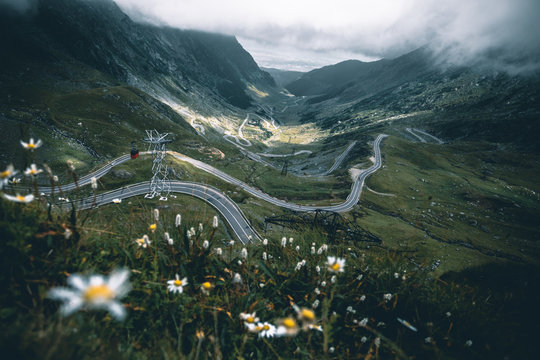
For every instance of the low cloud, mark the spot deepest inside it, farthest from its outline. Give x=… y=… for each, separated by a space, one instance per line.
x=502 y=33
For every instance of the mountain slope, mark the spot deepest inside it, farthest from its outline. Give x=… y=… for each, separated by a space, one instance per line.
x=77 y=67
x=352 y=79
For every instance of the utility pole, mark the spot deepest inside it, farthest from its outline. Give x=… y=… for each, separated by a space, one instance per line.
x=160 y=184
x=285 y=168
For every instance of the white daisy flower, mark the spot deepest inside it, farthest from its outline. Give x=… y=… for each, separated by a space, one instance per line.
x=178 y=220
x=94 y=292
x=266 y=330
x=31 y=145
x=19 y=198
x=335 y=264
x=215 y=222
x=249 y=320
x=32 y=170
x=116 y=201
x=177 y=285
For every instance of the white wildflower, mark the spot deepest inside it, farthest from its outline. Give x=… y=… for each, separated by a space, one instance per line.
x=237 y=279
x=205 y=244
x=93 y=182
x=265 y=242
x=219 y=251
x=19 y=198
x=249 y=319
x=284 y=241
x=244 y=253
x=94 y=292
x=178 y=220
x=335 y=264
x=266 y=330
x=177 y=285
x=31 y=145
x=215 y=222
x=32 y=170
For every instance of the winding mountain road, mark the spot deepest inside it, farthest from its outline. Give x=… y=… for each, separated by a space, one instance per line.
x=223 y=204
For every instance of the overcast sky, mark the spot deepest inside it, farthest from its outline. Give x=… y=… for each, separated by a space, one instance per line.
x=304 y=34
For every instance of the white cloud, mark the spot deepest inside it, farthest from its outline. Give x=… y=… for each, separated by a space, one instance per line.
x=283 y=32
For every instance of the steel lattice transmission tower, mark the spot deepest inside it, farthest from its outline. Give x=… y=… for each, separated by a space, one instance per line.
x=160 y=184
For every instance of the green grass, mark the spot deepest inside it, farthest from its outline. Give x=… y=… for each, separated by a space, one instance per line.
x=36 y=257
x=462 y=206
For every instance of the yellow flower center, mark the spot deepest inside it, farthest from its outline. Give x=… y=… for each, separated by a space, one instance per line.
x=206 y=285
x=20 y=198
x=4 y=174
x=31 y=145
x=152 y=227
x=250 y=319
x=266 y=327
x=289 y=323
x=335 y=267
x=307 y=314
x=178 y=282
x=98 y=293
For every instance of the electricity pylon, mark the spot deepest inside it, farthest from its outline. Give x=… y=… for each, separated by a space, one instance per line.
x=160 y=184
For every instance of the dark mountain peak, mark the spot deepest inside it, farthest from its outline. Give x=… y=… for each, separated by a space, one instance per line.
x=170 y=61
